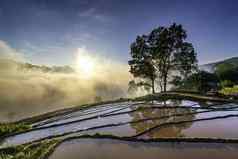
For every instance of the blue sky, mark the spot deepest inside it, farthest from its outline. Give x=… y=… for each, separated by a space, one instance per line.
x=50 y=31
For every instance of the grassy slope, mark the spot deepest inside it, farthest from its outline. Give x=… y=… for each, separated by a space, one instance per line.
x=230 y=91
x=212 y=66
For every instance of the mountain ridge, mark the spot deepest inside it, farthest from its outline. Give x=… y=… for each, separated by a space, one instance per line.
x=210 y=67
x=25 y=66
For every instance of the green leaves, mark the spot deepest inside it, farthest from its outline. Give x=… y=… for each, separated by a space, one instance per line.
x=158 y=54
x=227 y=71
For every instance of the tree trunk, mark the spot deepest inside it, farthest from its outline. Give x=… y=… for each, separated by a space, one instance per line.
x=161 y=86
x=165 y=85
x=153 y=86
x=165 y=82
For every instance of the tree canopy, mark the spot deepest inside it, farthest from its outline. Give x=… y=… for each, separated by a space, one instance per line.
x=200 y=81
x=160 y=53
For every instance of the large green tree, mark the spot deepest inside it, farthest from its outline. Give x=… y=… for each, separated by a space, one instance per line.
x=141 y=65
x=160 y=53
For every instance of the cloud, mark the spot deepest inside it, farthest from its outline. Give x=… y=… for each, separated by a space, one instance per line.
x=7 y=52
x=26 y=91
x=94 y=14
x=88 y=13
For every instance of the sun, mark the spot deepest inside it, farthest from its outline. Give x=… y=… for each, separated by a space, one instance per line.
x=85 y=64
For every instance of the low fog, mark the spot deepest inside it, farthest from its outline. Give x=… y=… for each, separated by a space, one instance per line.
x=28 y=90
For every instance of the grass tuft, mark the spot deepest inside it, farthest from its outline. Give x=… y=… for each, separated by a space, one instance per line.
x=32 y=151
x=7 y=128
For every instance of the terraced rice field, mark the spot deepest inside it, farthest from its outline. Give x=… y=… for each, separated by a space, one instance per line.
x=170 y=129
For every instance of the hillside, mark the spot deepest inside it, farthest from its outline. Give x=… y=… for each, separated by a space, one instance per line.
x=210 y=67
x=6 y=64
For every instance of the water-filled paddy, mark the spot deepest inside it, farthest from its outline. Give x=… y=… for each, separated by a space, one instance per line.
x=216 y=128
x=133 y=118
x=108 y=149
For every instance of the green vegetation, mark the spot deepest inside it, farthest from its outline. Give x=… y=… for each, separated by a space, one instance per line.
x=230 y=90
x=228 y=76
x=227 y=72
x=164 y=57
x=211 y=67
x=184 y=96
x=200 y=81
x=223 y=80
x=157 y=55
x=7 y=128
x=31 y=151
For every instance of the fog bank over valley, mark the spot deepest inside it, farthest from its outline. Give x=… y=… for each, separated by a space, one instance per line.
x=28 y=89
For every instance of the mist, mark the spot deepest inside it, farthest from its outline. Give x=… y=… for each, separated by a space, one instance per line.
x=27 y=90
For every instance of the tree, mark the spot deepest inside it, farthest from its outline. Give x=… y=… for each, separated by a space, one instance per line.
x=160 y=53
x=141 y=64
x=227 y=73
x=171 y=52
x=201 y=81
x=132 y=89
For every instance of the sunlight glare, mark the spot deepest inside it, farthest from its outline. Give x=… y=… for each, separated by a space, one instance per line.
x=85 y=64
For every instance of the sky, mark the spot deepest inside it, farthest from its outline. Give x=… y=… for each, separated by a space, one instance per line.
x=51 y=31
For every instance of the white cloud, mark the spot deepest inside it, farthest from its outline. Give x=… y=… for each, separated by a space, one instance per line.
x=88 y=13
x=94 y=14
x=7 y=52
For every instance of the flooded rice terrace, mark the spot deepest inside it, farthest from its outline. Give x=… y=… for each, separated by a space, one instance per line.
x=139 y=122
x=108 y=149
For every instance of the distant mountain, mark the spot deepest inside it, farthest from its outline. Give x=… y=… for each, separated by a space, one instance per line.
x=6 y=64
x=211 y=67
